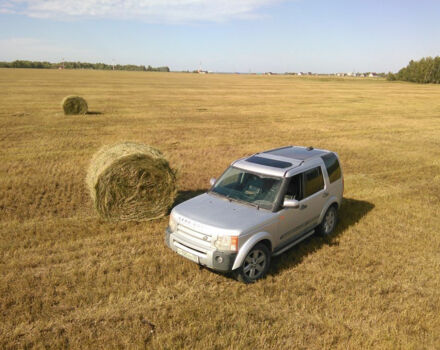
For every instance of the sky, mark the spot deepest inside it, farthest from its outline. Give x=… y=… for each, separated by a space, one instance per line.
x=224 y=35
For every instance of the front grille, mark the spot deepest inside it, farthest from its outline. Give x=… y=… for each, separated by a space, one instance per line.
x=194 y=236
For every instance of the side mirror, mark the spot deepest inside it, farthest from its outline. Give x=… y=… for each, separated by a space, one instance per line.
x=291 y=203
x=212 y=181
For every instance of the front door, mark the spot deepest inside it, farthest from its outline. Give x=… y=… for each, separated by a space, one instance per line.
x=291 y=220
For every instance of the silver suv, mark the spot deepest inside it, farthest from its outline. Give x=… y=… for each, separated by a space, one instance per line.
x=261 y=206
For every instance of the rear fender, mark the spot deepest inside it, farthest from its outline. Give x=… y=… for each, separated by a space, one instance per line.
x=332 y=200
x=250 y=243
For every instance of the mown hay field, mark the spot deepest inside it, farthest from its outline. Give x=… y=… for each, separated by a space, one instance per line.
x=70 y=279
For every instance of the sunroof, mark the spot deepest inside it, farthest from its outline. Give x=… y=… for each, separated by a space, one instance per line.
x=269 y=162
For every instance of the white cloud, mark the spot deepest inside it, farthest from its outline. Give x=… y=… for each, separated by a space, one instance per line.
x=6 y=7
x=148 y=10
x=37 y=49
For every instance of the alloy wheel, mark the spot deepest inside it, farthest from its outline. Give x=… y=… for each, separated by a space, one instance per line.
x=329 y=222
x=254 y=264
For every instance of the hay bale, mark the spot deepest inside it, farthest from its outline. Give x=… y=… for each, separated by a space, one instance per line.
x=131 y=181
x=74 y=105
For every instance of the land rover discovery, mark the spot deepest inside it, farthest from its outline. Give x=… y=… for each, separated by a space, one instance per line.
x=260 y=206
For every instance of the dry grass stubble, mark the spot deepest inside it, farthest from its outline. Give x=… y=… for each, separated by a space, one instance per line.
x=68 y=277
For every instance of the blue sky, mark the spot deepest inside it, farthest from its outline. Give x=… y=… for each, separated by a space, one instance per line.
x=224 y=35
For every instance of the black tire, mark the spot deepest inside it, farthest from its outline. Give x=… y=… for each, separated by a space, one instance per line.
x=328 y=223
x=255 y=264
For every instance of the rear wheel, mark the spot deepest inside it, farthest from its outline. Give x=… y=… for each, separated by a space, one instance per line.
x=255 y=264
x=328 y=224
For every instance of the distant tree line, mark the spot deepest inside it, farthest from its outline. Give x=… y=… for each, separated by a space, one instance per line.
x=427 y=70
x=80 y=65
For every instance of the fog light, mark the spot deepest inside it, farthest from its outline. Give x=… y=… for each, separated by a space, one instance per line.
x=219 y=259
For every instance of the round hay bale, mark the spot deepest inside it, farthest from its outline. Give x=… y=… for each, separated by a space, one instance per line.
x=131 y=181
x=74 y=105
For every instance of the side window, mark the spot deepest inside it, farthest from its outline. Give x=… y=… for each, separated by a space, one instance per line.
x=294 y=188
x=313 y=181
x=332 y=166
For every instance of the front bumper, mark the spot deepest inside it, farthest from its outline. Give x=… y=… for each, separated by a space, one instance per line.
x=212 y=258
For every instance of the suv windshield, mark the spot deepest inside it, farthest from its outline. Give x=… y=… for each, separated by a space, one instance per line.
x=256 y=189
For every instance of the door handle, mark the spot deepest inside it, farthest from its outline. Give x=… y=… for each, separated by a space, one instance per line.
x=325 y=194
x=303 y=206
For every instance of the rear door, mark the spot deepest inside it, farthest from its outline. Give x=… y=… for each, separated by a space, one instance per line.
x=315 y=196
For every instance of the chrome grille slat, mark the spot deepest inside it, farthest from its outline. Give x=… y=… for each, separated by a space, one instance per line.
x=194 y=235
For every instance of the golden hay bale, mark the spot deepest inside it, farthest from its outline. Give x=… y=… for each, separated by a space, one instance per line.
x=74 y=105
x=131 y=181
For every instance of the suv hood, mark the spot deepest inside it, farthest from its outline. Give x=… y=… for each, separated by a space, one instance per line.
x=212 y=211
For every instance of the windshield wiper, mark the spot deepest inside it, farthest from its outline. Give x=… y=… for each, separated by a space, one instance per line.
x=244 y=202
x=227 y=196
x=230 y=199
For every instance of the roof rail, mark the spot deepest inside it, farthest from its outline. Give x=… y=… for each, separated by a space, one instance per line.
x=276 y=149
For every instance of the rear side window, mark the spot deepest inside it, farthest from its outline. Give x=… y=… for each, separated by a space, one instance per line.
x=314 y=181
x=332 y=166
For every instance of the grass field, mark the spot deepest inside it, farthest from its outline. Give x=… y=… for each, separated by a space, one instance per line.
x=68 y=279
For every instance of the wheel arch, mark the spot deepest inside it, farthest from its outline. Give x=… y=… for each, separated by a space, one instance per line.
x=261 y=237
x=333 y=201
x=267 y=243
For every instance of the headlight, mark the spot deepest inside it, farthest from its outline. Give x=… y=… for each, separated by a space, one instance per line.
x=227 y=243
x=172 y=224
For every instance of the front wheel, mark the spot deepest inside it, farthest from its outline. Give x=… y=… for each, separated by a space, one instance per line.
x=328 y=224
x=255 y=264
